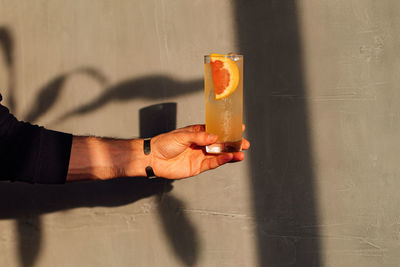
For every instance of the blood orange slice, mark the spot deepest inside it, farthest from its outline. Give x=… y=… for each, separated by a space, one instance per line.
x=225 y=75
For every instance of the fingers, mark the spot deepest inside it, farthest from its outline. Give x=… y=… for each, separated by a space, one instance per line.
x=195 y=131
x=197 y=128
x=197 y=138
x=192 y=128
x=214 y=161
x=200 y=128
x=245 y=144
x=237 y=156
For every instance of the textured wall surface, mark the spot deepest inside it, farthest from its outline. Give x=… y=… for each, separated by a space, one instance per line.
x=319 y=185
x=351 y=62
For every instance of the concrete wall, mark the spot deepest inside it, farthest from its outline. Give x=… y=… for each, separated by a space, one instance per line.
x=319 y=185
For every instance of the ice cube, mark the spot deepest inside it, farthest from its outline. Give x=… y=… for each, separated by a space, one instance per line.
x=233 y=56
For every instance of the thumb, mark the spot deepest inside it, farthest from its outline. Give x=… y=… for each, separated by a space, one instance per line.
x=198 y=138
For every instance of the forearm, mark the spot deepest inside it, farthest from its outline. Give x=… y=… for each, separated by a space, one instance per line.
x=94 y=158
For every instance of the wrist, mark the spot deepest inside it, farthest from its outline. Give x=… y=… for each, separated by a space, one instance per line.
x=139 y=160
x=147 y=151
x=102 y=158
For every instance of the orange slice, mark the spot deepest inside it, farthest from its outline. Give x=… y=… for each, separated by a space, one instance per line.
x=225 y=75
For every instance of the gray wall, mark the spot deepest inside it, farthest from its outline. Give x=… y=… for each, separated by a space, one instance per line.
x=319 y=184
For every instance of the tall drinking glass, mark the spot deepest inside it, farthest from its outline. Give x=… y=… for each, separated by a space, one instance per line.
x=223 y=83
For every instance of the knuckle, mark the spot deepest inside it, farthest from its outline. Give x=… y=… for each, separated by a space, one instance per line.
x=197 y=128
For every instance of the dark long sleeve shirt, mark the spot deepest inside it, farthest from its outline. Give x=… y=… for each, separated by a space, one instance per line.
x=30 y=153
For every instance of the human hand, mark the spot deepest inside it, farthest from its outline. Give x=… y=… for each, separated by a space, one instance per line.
x=181 y=153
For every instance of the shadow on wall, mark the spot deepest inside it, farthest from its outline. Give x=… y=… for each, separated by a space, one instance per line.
x=49 y=94
x=155 y=87
x=26 y=203
x=180 y=232
x=7 y=46
x=281 y=162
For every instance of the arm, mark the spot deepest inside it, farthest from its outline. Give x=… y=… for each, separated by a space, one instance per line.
x=174 y=155
x=33 y=154
x=104 y=158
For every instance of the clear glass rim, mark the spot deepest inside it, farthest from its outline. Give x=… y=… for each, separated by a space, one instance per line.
x=234 y=55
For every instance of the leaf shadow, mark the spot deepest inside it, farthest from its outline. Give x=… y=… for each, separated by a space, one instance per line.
x=49 y=93
x=7 y=46
x=152 y=87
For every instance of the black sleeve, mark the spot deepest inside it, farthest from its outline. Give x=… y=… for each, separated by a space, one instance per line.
x=30 y=153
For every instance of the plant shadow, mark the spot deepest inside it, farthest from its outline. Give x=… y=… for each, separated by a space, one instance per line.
x=26 y=203
x=7 y=47
x=154 y=87
x=181 y=234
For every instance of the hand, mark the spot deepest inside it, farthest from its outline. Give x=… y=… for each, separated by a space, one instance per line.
x=181 y=153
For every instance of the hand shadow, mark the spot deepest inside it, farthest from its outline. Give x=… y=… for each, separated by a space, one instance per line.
x=157 y=119
x=181 y=233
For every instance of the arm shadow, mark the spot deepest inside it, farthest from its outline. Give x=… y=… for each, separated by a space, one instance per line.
x=26 y=203
x=19 y=199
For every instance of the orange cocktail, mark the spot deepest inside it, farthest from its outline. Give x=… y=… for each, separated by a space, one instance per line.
x=223 y=81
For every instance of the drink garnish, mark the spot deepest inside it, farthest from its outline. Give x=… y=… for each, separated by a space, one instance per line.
x=225 y=75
